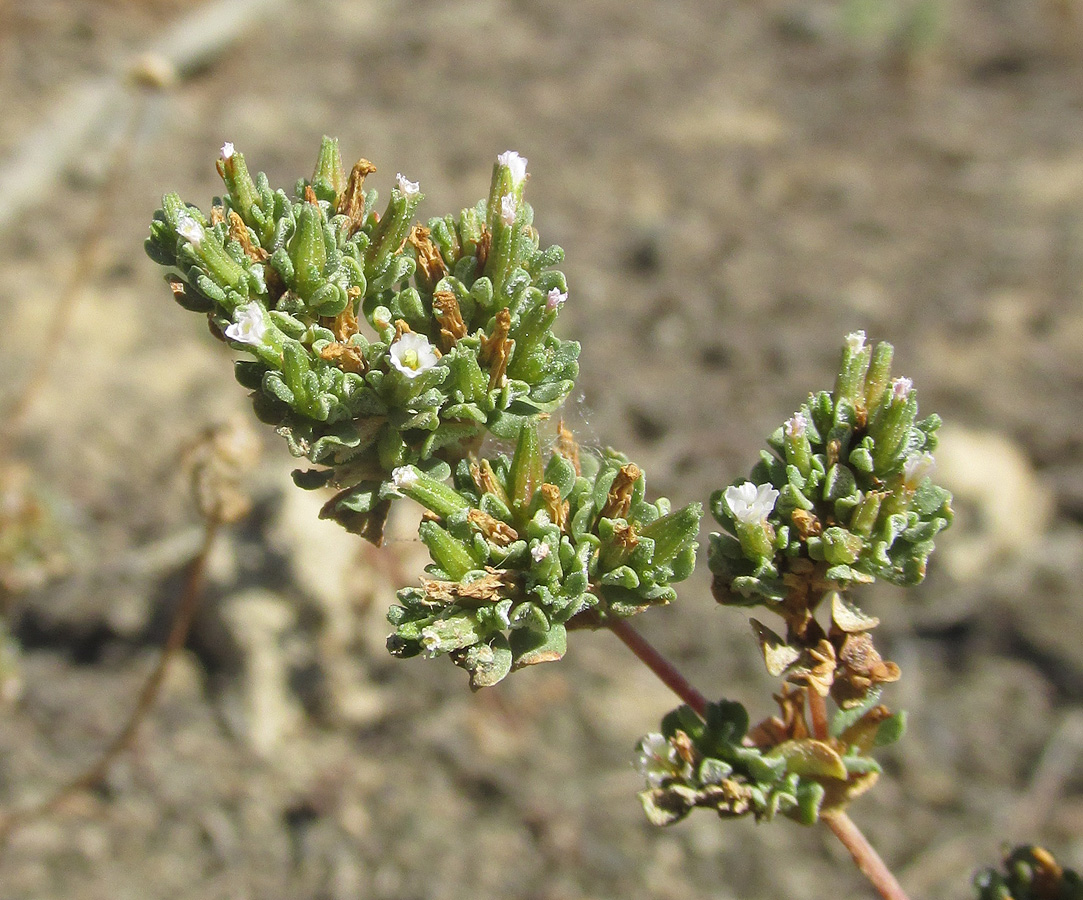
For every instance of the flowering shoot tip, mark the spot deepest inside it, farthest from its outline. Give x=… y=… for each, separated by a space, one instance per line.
x=900 y=388
x=409 y=188
x=227 y=150
x=554 y=300
x=796 y=426
x=855 y=341
x=516 y=165
x=403 y=476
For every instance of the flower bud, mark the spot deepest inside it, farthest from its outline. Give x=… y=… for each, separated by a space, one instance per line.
x=328 y=179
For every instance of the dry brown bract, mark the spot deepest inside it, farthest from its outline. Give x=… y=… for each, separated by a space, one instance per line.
x=491 y=587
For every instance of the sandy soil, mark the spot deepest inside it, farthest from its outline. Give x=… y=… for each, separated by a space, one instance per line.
x=736 y=185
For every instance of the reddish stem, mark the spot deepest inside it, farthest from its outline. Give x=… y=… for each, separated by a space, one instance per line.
x=817 y=710
x=864 y=854
x=658 y=664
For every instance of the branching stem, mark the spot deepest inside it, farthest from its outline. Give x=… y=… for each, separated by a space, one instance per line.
x=658 y=664
x=864 y=854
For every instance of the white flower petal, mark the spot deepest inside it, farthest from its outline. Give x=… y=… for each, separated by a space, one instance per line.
x=855 y=341
x=508 y=209
x=412 y=354
x=515 y=163
x=227 y=150
x=189 y=229
x=403 y=476
x=409 y=188
x=554 y=300
x=248 y=325
x=750 y=503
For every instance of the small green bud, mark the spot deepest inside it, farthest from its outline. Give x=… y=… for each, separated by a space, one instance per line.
x=891 y=424
x=434 y=495
x=797 y=447
x=850 y=381
x=449 y=553
x=526 y=471
x=876 y=380
x=673 y=532
x=328 y=179
x=308 y=252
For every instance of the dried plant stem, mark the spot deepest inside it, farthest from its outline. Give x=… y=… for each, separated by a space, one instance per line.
x=657 y=663
x=178 y=633
x=864 y=854
x=817 y=711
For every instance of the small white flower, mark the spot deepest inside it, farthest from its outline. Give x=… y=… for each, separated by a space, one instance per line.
x=554 y=300
x=189 y=229
x=516 y=164
x=900 y=388
x=796 y=426
x=508 y=209
x=917 y=467
x=412 y=354
x=540 y=551
x=227 y=150
x=409 y=188
x=855 y=341
x=403 y=477
x=248 y=325
x=656 y=759
x=751 y=503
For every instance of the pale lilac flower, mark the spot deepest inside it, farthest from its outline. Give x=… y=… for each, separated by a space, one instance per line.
x=516 y=165
x=508 y=209
x=855 y=341
x=554 y=300
x=189 y=229
x=403 y=477
x=917 y=467
x=540 y=551
x=900 y=388
x=248 y=325
x=409 y=188
x=412 y=354
x=751 y=503
x=797 y=426
x=227 y=150
x=656 y=759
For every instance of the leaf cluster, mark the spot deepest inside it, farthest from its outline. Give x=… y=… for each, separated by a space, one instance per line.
x=522 y=551
x=717 y=763
x=330 y=285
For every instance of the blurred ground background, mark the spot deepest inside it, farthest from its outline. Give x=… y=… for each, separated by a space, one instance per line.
x=737 y=185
